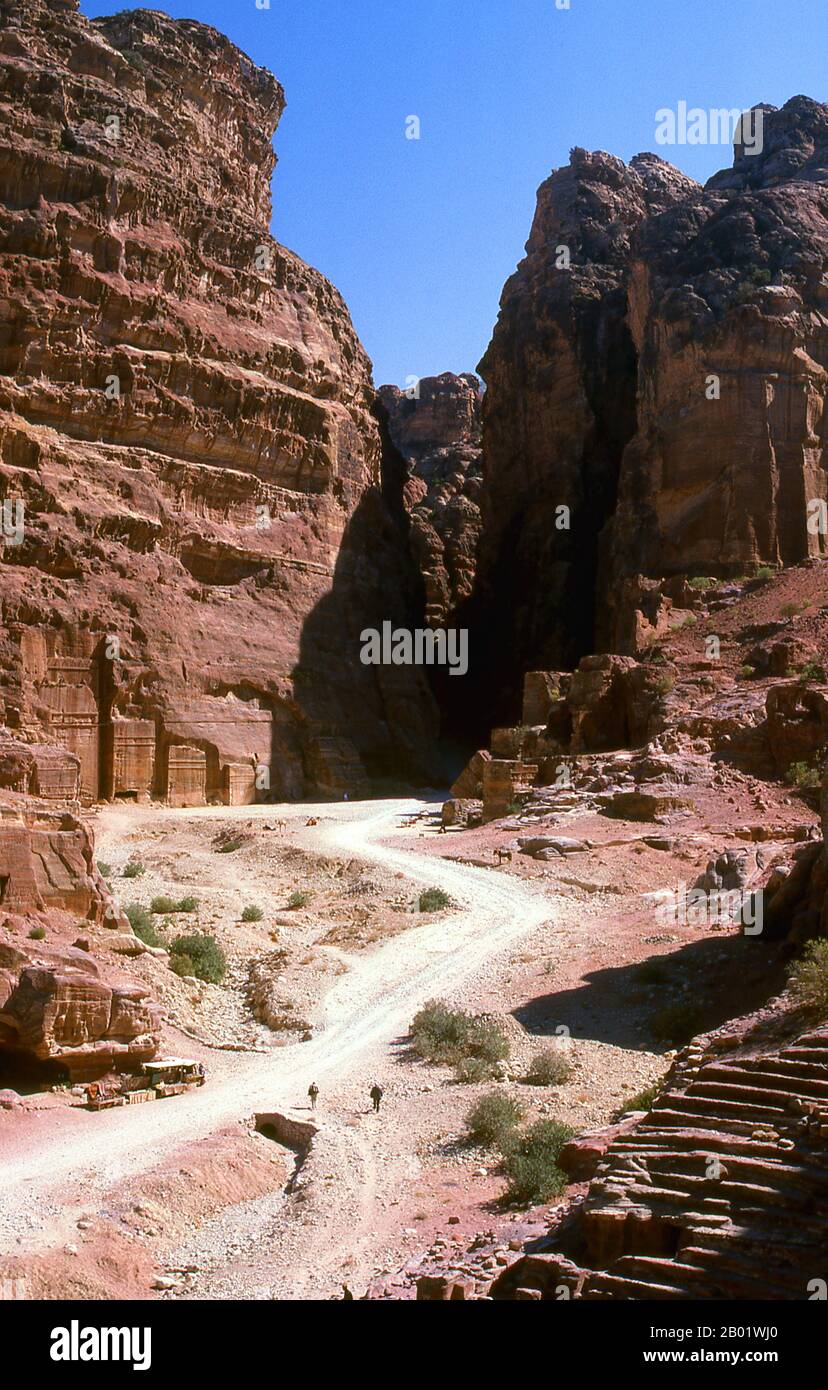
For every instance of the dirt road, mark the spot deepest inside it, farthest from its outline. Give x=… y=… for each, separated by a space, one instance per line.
x=364 y=1012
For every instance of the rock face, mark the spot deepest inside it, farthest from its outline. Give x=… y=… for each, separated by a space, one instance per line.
x=659 y=369
x=56 y=1007
x=58 y=1004
x=186 y=422
x=47 y=864
x=686 y=1203
x=559 y=410
x=438 y=435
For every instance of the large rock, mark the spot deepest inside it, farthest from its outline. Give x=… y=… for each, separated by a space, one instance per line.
x=55 y=1006
x=186 y=415
x=659 y=368
x=730 y=284
x=47 y=864
x=559 y=409
x=437 y=431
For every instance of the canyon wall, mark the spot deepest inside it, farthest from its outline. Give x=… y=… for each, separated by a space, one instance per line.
x=658 y=369
x=437 y=432
x=187 y=422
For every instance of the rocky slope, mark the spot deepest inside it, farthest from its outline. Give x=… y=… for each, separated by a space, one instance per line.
x=659 y=369
x=437 y=432
x=186 y=420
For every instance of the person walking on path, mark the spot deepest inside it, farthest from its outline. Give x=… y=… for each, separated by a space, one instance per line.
x=313 y=1092
x=376 y=1095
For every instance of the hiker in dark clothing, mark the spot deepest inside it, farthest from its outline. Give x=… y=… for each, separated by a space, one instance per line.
x=313 y=1092
x=376 y=1095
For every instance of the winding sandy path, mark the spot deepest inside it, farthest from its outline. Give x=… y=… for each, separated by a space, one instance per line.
x=364 y=1012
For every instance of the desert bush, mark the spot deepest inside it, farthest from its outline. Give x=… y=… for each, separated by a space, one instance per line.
x=104 y=869
x=549 y=1067
x=804 y=776
x=37 y=933
x=492 y=1118
x=252 y=914
x=146 y=932
x=676 y=1022
x=470 y=1071
x=230 y=846
x=183 y=965
x=133 y=869
x=765 y=573
x=530 y=1162
x=644 y=1100
x=747 y=671
x=665 y=684
x=300 y=897
x=138 y=918
x=441 y=1034
x=808 y=978
x=701 y=582
x=433 y=900
x=205 y=954
x=813 y=671
x=163 y=904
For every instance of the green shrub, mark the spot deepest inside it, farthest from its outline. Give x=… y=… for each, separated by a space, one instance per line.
x=690 y=620
x=104 y=869
x=809 y=978
x=470 y=1071
x=139 y=918
x=493 y=1118
x=300 y=897
x=206 y=956
x=134 y=870
x=165 y=904
x=182 y=965
x=252 y=914
x=530 y=1162
x=765 y=573
x=813 y=671
x=433 y=900
x=148 y=934
x=701 y=582
x=803 y=776
x=37 y=933
x=665 y=684
x=747 y=671
x=441 y=1034
x=676 y=1022
x=230 y=846
x=549 y=1067
x=643 y=1101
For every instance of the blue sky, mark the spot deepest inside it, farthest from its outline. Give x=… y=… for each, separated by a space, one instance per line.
x=420 y=235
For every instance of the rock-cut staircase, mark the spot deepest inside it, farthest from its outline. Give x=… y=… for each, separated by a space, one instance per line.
x=721 y=1192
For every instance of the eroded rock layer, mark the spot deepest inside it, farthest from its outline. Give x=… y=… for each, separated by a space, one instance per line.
x=437 y=431
x=186 y=422
x=659 y=370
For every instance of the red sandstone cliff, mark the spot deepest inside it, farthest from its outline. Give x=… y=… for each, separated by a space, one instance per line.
x=599 y=395
x=438 y=434
x=186 y=418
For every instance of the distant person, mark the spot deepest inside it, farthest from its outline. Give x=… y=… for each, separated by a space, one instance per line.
x=313 y=1092
x=376 y=1095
